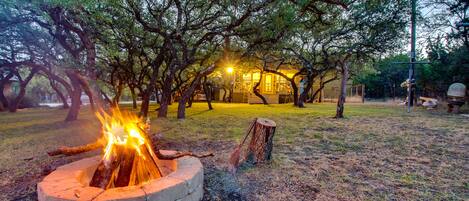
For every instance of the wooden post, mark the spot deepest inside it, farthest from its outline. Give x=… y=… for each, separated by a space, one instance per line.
x=261 y=144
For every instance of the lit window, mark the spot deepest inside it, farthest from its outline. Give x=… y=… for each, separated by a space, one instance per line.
x=246 y=77
x=256 y=77
x=268 y=83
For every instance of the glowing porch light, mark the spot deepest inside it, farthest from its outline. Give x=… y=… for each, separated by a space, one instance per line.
x=229 y=69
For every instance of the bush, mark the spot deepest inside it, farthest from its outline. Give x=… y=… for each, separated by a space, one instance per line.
x=27 y=102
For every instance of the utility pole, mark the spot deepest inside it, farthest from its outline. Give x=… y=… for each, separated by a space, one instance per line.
x=411 y=84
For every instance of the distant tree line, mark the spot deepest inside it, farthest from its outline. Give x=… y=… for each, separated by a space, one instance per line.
x=446 y=50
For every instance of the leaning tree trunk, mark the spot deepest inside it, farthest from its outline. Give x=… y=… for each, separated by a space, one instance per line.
x=59 y=94
x=261 y=143
x=343 y=93
x=13 y=105
x=90 y=92
x=208 y=93
x=184 y=99
x=75 y=96
x=166 y=95
x=318 y=91
x=190 y=91
x=256 y=91
x=191 y=100
x=117 y=97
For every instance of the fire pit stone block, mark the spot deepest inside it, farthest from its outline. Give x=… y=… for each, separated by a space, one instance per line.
x=185 y=184
x=70 y=182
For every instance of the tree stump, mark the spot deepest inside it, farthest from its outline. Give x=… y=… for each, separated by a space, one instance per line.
x=261 y=144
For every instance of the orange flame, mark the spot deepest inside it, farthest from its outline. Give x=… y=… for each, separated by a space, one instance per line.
x=125 y=130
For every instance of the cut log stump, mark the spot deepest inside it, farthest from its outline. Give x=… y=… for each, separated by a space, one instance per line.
x=261 y=143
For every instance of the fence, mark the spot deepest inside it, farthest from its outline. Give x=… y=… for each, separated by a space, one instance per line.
x=355 y=93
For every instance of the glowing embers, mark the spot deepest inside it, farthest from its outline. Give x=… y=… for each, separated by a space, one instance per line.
x=128 y=158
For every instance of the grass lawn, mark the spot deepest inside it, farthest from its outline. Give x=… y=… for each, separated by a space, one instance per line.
x=377 y=152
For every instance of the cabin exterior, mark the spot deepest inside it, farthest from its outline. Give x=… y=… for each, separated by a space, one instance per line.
x=274 y=88
x=277 y=89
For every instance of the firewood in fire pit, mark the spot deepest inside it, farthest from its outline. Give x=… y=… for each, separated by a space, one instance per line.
x=126 y=167
x=103 y=173
x=126 y=160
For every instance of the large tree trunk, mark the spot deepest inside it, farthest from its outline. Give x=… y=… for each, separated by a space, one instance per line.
x=166 y=95
x=75 y=96
x=256 y=90
x=59 y=94
x=185 y=97
x=343 y=92
x=152 y=85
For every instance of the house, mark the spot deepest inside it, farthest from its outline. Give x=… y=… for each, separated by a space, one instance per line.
x=277 y=89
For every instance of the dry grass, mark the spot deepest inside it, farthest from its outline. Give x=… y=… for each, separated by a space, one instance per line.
x=377 y=153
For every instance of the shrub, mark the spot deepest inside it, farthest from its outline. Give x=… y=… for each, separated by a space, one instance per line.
x=26 y=102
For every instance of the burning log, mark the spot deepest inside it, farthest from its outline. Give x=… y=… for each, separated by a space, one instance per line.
x=103 y=174
x=128 y=158
x=126 y=167
x=70 y=151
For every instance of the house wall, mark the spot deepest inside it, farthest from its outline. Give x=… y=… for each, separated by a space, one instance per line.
x=278 y=90
x=271 y=86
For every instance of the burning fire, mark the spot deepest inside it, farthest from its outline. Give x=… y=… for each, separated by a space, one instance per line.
x=128 y=158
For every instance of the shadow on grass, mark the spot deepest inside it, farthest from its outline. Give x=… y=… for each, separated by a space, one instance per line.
x=198 y=113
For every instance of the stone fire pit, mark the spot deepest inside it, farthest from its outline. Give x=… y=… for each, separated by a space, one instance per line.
x=71 y=182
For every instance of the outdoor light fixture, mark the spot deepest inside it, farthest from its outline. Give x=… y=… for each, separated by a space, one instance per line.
x=229 y=69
